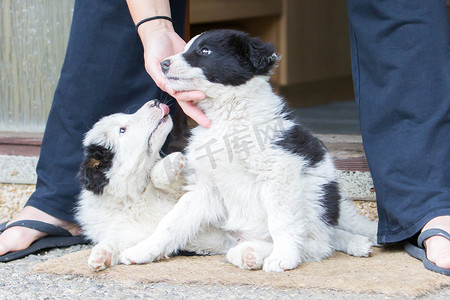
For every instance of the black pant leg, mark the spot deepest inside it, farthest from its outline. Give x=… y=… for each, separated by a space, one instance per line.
x=103 y=73
x=401 y=70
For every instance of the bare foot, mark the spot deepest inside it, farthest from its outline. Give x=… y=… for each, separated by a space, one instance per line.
x=19 y=238
x=438 y=247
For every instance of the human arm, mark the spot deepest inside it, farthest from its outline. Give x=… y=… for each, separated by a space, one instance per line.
x=160 y=41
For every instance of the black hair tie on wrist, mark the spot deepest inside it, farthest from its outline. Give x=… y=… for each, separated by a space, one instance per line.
x=154 y=18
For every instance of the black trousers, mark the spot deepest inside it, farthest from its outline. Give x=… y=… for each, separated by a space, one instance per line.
x=401 y=71
x=103 y=73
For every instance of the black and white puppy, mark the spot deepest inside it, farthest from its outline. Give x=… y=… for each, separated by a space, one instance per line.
x=254 y=172
x=127 y=187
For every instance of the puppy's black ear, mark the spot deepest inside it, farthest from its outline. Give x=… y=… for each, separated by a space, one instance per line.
x=97 y=161
x=262 y=56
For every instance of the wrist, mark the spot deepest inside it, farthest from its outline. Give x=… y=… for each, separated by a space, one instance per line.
x=147 y=27
x=154 y=18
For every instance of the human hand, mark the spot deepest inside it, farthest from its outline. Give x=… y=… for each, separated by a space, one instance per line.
x=161 y=41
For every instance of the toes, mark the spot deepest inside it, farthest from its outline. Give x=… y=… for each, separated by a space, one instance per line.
x=180 y=166
x=438 y=251
x=250 y=259
x=99 y=260
x=181 y=162
x=275 y=263
x=126 y=258
x=443 y=261
x=272 y=265
x=134 y=255
x=359 y=246
x=245 y=258
x=18 y=238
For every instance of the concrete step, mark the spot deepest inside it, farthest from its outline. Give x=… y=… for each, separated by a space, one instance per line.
x=347 y=150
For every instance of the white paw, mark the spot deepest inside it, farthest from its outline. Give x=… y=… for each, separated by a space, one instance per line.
x=373 y=240
x=100 y=258
x=280 y=263
x=174 y=164
x=139 y=254
x=359 y=246
x=245 y=258
x=179 y=164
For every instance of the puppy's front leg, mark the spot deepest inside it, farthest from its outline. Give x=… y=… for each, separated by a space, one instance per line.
x=106 y=254
x=284 y=232
x=174 y=230
x=166 y=171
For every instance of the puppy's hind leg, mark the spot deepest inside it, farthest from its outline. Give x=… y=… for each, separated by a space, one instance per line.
x=350 y=220
x=353 y=244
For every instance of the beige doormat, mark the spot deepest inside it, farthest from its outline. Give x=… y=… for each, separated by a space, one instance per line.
x=388 y=271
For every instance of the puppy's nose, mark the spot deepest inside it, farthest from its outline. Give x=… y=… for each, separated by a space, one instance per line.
x=154 y=103
x=165 y=66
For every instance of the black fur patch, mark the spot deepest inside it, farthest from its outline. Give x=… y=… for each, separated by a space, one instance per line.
x=298 y=140
x=230 y=57
x=287 y=113
x=330 y=201
x=97 y=161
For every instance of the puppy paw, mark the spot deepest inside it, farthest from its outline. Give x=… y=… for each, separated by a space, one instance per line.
x=359 y=246
x=174 y=164
x=373 y=240
x=251 y=260
x=168 y=170
x=245 y=258
x=280 y=263
x=136 y=255
x=178 y=164
x=99 y=259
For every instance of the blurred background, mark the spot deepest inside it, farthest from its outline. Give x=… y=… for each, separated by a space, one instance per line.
x=311 y=36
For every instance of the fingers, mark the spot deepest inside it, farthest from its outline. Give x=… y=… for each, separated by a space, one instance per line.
x=195 y=113
x=189 y=96
x=154 y=70
x=185 y=99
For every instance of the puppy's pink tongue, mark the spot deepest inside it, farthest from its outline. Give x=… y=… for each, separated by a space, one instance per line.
x=165 y=109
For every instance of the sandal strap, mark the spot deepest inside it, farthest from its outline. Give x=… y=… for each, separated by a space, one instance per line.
x=3 y=226
x=50 y=229
x=429 y=233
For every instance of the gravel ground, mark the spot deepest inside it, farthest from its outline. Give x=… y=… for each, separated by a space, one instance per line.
x=12 y=199
x=17 y=282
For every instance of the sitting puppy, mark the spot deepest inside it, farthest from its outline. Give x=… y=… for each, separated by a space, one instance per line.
x=127 y=187
x=254 y=171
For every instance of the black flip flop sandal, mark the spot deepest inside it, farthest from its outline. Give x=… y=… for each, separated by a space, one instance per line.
x=419 y=251
x=57 y=237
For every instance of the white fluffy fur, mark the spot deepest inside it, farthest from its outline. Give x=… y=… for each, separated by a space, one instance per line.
x=142 y=187
x=267 y=197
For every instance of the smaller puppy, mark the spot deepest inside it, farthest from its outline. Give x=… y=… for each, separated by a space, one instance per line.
x=127 y=187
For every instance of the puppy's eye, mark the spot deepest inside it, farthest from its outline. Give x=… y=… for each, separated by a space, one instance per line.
x=205 y=51
x=122 y=130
